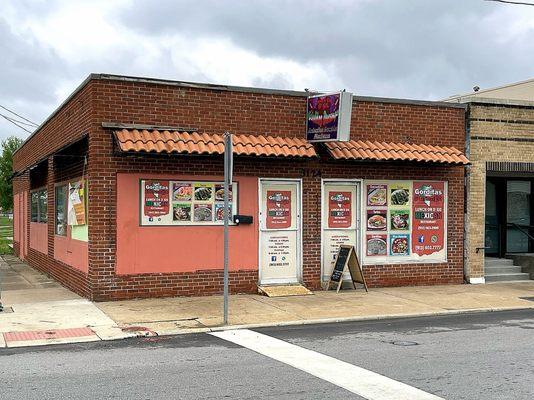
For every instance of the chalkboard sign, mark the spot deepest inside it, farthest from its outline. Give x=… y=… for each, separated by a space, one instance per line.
x=341 y=260
x=347 y=259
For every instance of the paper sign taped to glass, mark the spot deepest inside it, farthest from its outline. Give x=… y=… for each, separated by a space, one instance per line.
x=76 y=212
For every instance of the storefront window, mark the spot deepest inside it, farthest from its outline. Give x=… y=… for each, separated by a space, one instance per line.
x=35 y=206
x=405 y=221
x=165 y=202
x=61 y=210
x=39 y=206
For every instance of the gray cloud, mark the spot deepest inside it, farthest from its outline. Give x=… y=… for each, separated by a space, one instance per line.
x=427 y=49
x=411 y=48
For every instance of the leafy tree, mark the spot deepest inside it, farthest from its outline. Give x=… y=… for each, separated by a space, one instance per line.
x=9 y=146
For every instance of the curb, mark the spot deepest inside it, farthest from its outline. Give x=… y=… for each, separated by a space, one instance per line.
x=339 y=320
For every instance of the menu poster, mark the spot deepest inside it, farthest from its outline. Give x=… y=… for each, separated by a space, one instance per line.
x=156 y=198
x=219 y=193
x=376 y=245
x=399 y=220
x=182 y=191
x=166 y=202
x=399 y=244
x=399 y=193
x=203 y=192
x=278 y=209
x=339 y=209
x=181 y=212
x=377 y=195
x=377 y=220
x=219 y=211
x=428 y=217
x=76 y=204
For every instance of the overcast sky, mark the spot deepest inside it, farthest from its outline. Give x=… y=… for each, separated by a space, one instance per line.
x=422 y=49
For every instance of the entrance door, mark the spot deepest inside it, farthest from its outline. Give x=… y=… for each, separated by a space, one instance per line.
x=492 y=239
x=340 y=221
x=517 y=216
x=280 y=253
x=509 y=216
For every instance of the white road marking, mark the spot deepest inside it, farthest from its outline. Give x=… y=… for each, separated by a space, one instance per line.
x=364 y=383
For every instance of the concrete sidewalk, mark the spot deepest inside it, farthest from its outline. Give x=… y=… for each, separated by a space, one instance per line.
x=198 y=314
x=46 y=313
x=37 y=310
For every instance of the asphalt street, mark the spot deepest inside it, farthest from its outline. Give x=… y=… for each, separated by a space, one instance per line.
x=470 y=356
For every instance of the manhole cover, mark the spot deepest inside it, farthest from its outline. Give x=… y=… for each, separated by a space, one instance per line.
x=527 y=298
x=403 y=343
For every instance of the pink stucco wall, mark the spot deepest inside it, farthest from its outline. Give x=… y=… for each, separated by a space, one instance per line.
x=71 y=252
x=16 y=217
x=39 y=236
x=149 y=249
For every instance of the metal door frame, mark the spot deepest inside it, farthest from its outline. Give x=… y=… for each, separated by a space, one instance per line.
x=299 y=271
x=358 y=210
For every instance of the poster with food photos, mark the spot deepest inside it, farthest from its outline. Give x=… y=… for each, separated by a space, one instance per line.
x=377 y=219
x=376 y=245
x=399 y=244
x=405 y=221
x=377 y=195
x=171 y=202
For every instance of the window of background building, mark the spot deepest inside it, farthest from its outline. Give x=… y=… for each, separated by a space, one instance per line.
x=61 y=210
x=39 y=206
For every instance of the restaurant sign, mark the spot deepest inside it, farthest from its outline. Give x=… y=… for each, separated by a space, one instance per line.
x=428 y=217
x=328 y=117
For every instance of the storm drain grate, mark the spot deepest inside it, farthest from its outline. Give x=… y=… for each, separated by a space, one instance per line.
x=527 y=298
x=403 y=343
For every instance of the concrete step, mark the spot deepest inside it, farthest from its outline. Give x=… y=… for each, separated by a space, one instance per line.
x=507 y=277
x=488 y=262
x=502 y=269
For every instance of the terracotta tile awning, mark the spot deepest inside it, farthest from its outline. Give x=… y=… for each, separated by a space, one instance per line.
x=156 y=141
x=387 y=151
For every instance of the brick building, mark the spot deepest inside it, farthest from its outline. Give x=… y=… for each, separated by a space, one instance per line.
x=500 y=181
x=117 y=194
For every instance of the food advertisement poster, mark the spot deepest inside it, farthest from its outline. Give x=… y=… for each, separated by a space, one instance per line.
x=399 y=193
x=181 y=212
x=328 y=117
x=399 y=220
x=399 y=245
x=377 y=245
x=203 y=191
x=182 y=191
x=428 y=218
x=414 y=214
x=76 y=204
x=167 y=202
x=278 y=209
x=377 y=220
x=339 y=209
x=377 y=195
x=156 y=196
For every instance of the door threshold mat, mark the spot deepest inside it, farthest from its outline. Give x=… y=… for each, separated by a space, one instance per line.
x=284 y=290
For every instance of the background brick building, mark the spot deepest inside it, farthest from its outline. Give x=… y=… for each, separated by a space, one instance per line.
x=81 y=141
x=500 y=180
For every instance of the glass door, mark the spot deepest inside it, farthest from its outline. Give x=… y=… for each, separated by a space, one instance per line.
x=493 y=233
x=518 y=213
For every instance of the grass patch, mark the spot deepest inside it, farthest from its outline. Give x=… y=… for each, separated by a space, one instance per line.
x=6 y=231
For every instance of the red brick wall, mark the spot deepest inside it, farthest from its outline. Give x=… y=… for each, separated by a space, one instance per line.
x=214 y=111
